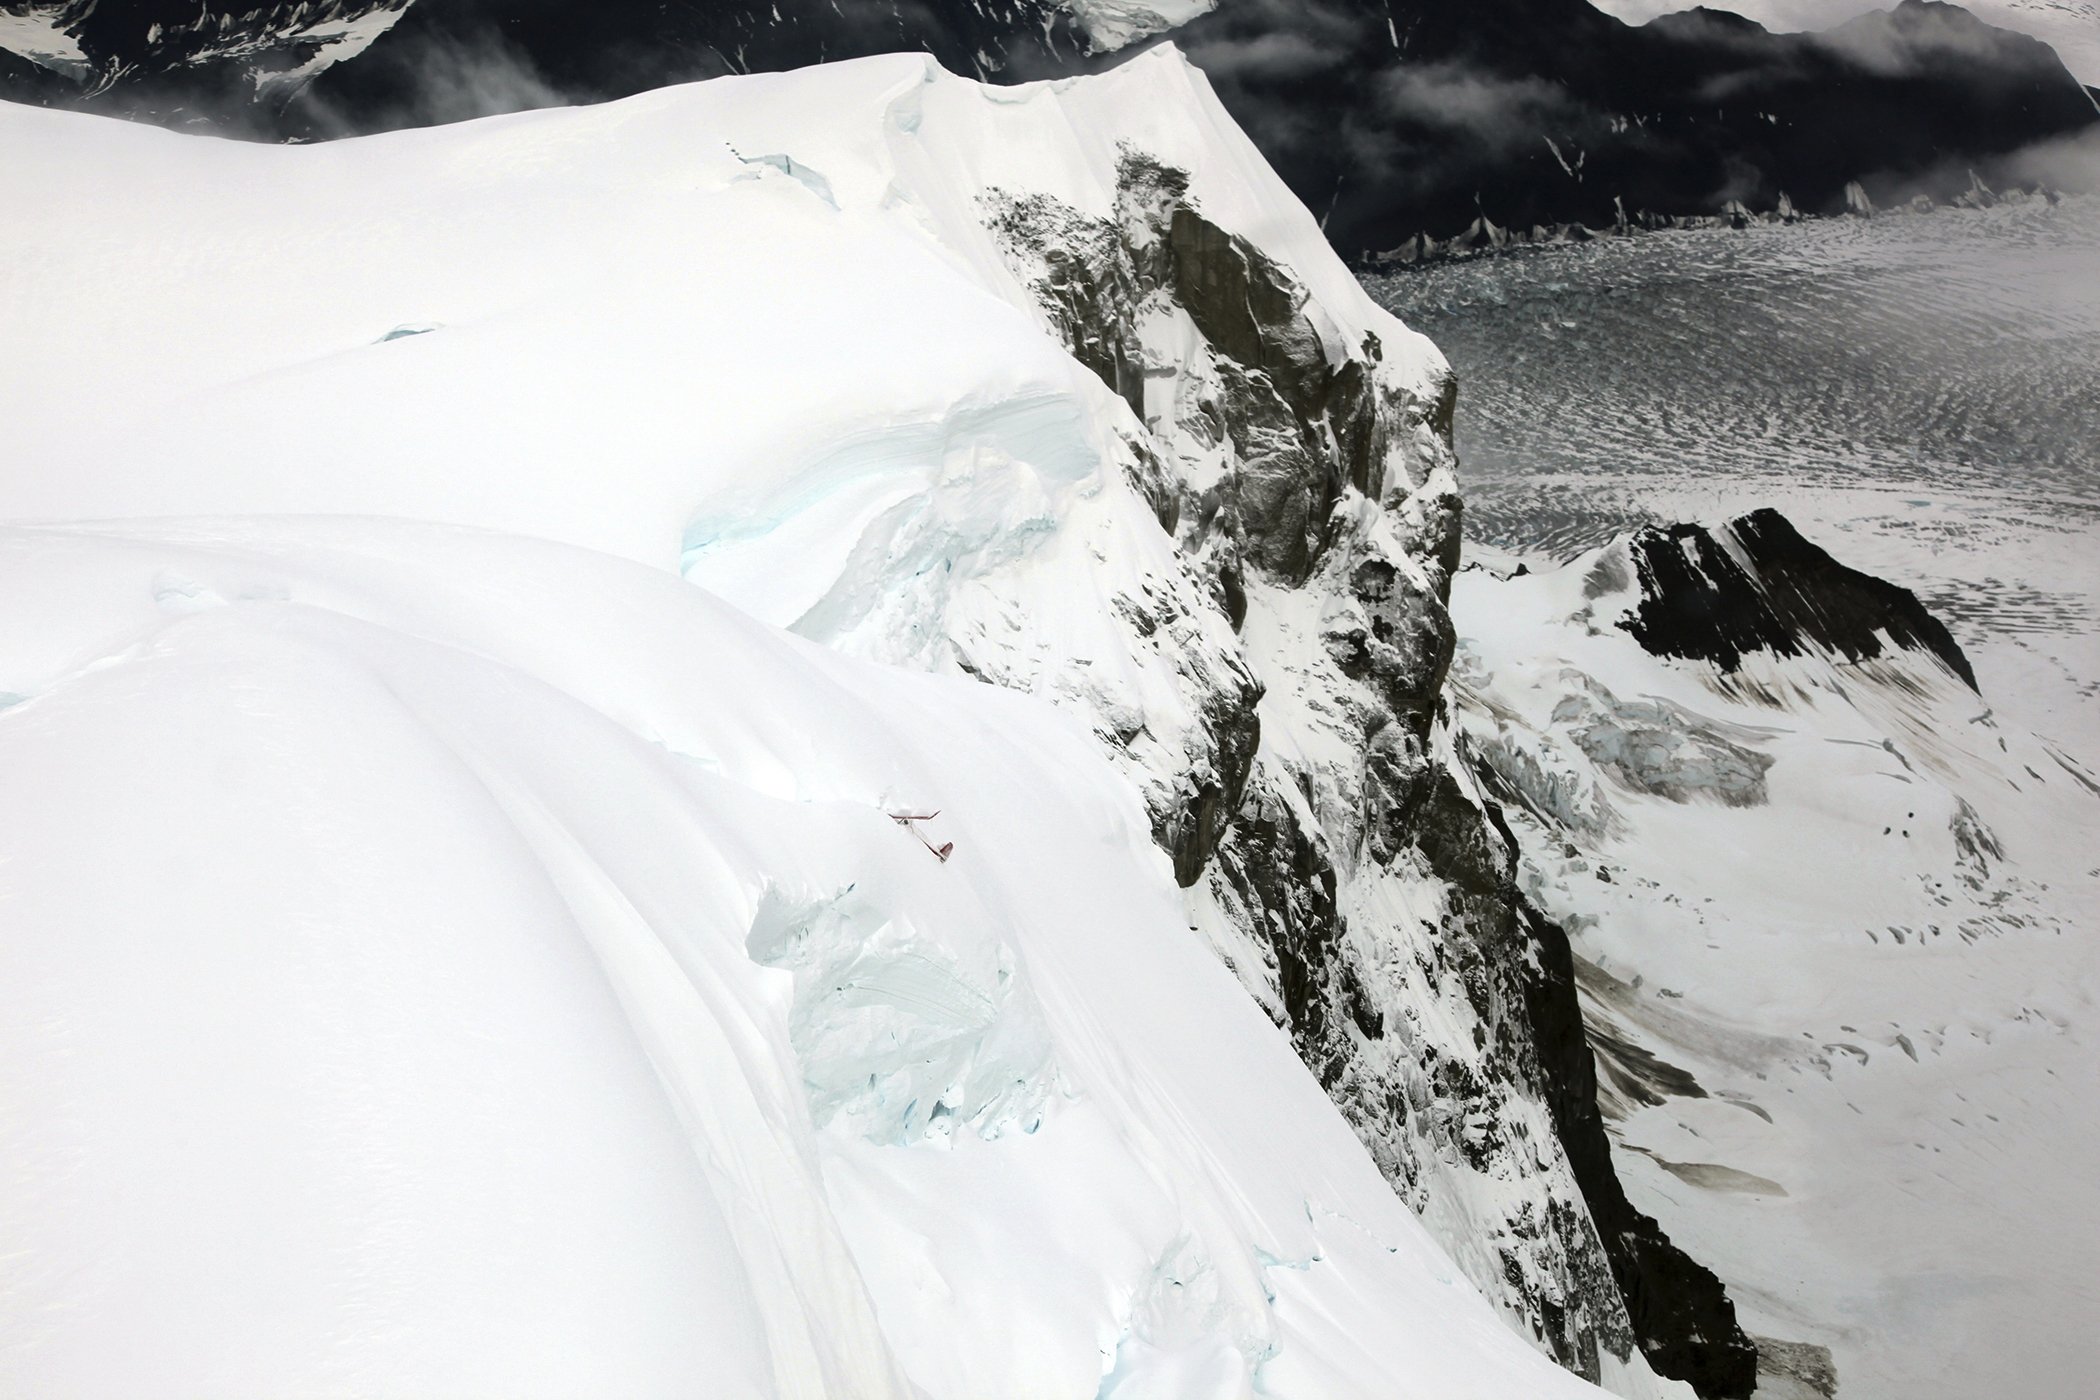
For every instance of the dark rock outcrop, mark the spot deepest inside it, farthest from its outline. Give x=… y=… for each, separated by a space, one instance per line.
x=1453 y=1045
x=1682 y=1314
x=1755 y=584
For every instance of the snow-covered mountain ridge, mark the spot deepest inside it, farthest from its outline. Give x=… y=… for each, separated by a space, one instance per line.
x=463 y=706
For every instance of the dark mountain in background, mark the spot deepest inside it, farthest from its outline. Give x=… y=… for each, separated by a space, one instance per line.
x=1537 y=112
x=224 y=65
x=178 y=61
x=1388 y=117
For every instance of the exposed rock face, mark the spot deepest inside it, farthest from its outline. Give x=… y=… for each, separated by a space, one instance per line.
x=1679 y=1309
x=1338 y=852
x=1756 y=585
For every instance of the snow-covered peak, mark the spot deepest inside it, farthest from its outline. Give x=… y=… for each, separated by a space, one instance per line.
x=453 y=945
x=748 y=202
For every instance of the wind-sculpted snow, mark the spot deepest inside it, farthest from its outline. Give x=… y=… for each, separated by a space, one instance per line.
x=400 y=940
x=454 y=946
x=1829 y=908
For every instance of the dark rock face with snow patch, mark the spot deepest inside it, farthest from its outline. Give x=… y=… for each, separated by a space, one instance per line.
x=1756 y=584
x=1314 y=500
x=1681 y=1312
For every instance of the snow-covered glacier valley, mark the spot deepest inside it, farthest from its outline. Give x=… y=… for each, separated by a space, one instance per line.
x=784 y=738
x=1829 y=880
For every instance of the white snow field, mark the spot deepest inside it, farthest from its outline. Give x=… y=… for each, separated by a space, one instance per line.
x=1833 y=921
x=446 y=949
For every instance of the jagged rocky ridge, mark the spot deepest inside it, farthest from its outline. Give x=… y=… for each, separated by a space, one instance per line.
x=1330 y=834
x=1407 y=125
x=568 y=898
x=895 y=457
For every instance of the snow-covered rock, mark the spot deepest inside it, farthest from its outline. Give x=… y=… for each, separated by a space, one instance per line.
x=1112 y=24
x=451 y=857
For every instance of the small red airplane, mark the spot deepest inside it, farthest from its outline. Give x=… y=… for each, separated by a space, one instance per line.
x=905 y=820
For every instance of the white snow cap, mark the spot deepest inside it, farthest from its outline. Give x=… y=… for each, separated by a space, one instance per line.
x=448 y=952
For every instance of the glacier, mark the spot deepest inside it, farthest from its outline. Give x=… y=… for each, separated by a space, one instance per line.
x=459 y=937
x=1830 y=887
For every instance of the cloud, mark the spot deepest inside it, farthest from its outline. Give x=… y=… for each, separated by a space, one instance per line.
x=1927 y=38
x=1275 y=41
x=2068 y=163
x=1486 y=109
x=440 y=77
x=1268 y=58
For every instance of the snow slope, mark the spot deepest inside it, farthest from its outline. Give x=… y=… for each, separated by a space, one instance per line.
x=448 y=950
x=1833 y=910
